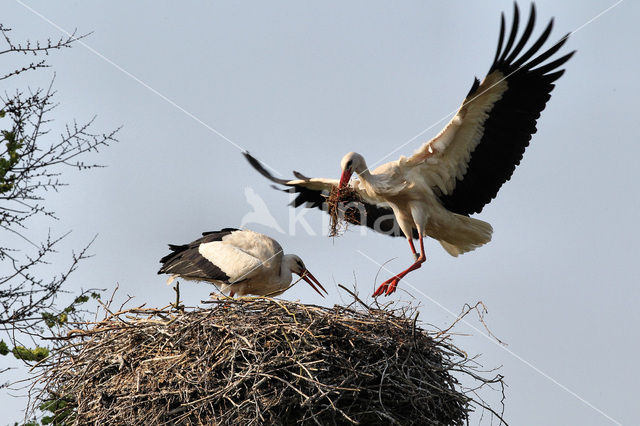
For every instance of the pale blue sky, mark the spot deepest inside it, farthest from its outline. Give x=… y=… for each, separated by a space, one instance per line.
x=301 y=84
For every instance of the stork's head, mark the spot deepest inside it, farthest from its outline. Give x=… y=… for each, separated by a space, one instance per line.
x=296 y=265
x=352 y=162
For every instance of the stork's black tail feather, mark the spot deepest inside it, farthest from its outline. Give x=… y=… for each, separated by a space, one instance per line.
x=175 y=252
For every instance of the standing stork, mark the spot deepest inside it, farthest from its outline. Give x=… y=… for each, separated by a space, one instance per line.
x=238 y=261
x=456 y=173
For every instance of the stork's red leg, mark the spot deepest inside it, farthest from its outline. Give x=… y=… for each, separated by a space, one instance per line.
x=390 y=285
x=413 y=248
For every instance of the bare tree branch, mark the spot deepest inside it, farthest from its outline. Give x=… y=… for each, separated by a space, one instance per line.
x=32 y=164
x=34 y=49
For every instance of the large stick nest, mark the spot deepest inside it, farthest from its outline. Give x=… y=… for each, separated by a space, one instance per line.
x=261 y=361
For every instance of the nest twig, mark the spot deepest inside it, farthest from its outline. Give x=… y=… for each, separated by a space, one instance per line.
x=341 y=213
x=261 y=361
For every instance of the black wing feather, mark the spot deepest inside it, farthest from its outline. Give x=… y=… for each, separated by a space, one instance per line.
x=185 y=260
x=512 y=120
x=525 y=35
x=512 y=33
x=500 y=38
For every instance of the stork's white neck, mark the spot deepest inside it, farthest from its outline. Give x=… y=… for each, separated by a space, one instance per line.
x=364 y=174
x=369 y=179
x=355 y=163
x=360 y=168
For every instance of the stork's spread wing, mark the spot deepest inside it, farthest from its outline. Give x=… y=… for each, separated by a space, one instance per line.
x=478 y=150
x=313 y=192
x=209 y=259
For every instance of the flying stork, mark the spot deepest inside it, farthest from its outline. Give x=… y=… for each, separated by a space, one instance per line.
x=238 y=261
x=455 y=174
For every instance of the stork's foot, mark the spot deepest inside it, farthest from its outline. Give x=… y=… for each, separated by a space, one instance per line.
x=388 y=287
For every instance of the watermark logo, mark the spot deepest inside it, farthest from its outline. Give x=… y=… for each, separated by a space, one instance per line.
x=260 y=214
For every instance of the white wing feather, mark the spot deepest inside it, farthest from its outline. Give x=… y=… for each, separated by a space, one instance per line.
x=235 y=263
x=315 y=184
x=445 y=158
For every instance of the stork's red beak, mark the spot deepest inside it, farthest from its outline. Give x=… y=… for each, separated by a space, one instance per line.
x=344 y=178
x=311 y=280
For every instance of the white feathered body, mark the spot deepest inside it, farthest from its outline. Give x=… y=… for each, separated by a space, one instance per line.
x=242 y=261
x=252 y=261
x=406 y=189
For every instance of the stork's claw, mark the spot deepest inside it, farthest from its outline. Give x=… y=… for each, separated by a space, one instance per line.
x=387 y=287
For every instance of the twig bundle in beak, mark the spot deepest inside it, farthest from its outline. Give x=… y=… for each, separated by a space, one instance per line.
x=342 y=209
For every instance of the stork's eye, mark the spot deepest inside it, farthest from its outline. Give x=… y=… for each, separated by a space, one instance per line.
x=349 y=164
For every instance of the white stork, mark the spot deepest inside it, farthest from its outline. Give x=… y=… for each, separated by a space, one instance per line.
x=238 y=261
x=456 y=173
